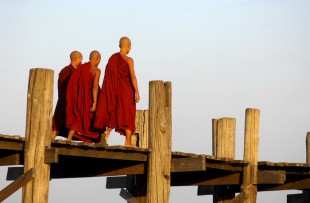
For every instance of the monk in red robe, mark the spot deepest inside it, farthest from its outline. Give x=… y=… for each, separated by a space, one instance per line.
x=82 y=93
x=119 y=95
x=59 y=118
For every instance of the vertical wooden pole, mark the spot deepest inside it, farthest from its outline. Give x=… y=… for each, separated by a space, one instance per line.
x=214 y=137
x=136 y=184
x=308 y=148
x=160 y=135
x=251 y=141
x=141 y=136
x=224 y=132
x=38 y=133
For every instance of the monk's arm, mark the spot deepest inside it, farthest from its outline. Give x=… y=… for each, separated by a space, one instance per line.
x=133 y=78
x=95 y=89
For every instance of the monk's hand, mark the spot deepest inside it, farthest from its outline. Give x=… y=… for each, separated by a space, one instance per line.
x=93 y=108
x=137 y=97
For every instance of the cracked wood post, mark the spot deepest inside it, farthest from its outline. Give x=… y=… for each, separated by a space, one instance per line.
x=224 y=136
x=160 y=135
x=136 y=184
x=251 y=143
x=38 y=133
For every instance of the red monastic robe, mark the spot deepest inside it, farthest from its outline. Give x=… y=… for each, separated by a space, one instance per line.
x=59 y=118
x=116 y=106
x=79 y=103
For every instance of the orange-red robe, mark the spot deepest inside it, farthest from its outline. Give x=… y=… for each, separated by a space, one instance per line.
x=116 y=106
x=59 y=118
x=79 y=103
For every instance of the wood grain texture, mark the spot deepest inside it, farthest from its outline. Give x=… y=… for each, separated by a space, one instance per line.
x=38 y=133
x=224 y=147
x=251 y=142
x=160 y=135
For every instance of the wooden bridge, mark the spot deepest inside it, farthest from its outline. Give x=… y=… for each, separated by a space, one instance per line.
x=144 y=174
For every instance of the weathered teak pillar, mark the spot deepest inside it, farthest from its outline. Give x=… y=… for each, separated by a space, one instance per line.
x=141 y=136
x=136 y=184
x=308 y=148
x=38 y=133
x=224 y=136
x=160 y=135
x=251 y=141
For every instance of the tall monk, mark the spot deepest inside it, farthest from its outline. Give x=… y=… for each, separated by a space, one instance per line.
x=82 y=94
x=119 y=95
x=59 y=118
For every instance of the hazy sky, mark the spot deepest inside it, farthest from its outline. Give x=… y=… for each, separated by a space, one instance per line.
x=222 y=56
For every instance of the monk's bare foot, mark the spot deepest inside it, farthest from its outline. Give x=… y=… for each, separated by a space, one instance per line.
x=106 y=135
x=54 y=135
x=70 y=135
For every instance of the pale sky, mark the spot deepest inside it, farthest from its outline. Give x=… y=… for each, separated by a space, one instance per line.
x=221 y=56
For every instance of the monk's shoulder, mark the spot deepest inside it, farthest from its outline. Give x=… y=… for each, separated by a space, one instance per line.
x=129 y=60
x=66 y=71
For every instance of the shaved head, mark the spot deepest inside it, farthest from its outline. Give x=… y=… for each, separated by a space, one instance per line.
x=74 y=55
x=94 y=55
x=124 y=41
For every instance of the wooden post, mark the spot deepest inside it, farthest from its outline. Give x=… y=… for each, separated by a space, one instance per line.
x=251 y=141
x=141 y=136
x=308 y=148
x=160 y=135
x=136 y=184
x=38 y=133
x=214 y=137
x=224 y=136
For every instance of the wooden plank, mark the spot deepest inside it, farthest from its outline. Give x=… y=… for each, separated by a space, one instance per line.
x=11 y=137
x=116 y=182
x=38 y=133
x=205 y=190
x=298 y=184
x=93 y=153
x=15 y=185
x=224 y=166
x=271 y=177
x=295 y=198
x=14 y=172
x=136 y=185
x=303 y=197
x=11 y=144
x=216 y=178
x=306 y=195
x=201 y=178
x=93 y=169
x=11 y=158
x=188 y=164
x=51 y=155
x=59 y=171
x=128 y=197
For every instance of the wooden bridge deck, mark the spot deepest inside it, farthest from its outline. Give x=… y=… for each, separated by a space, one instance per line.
x=78 y=159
